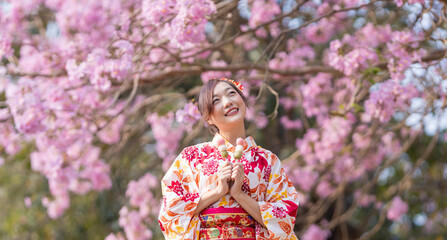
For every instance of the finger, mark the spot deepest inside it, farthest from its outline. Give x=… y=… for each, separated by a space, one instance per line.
x=225 y=169
x=228 y=163
x=229 y=167
x=238 y=169
x=225 y=178
x=238 y=165
x=228 y=175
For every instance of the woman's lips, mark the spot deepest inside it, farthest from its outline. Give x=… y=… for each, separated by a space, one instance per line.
x=232 y=112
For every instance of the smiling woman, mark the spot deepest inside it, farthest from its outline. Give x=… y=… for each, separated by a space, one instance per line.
x=229 y=188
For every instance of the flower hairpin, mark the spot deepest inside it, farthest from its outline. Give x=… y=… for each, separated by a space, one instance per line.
x=237 y=84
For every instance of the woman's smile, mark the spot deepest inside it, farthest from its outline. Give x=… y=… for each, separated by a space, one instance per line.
x=232 y=112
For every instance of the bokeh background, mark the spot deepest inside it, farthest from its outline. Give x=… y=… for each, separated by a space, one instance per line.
x=97 y=99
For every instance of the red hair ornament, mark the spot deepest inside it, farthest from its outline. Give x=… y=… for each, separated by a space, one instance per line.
x=237 y=84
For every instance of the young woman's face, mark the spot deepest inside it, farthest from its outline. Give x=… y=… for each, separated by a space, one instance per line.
x=228 y=107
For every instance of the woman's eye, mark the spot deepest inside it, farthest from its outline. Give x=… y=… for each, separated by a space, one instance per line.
x=215 y=101
x=232 y=92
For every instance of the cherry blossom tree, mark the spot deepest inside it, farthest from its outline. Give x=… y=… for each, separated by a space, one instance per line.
x=97 y=97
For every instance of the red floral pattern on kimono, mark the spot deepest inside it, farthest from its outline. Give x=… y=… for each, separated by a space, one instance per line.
x=194 y=171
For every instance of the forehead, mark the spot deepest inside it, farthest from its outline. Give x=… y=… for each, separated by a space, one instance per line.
x=221 y=88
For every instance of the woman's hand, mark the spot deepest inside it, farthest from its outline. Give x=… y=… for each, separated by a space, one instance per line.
x=223 y=177
x=237 y=176
x=245 y=201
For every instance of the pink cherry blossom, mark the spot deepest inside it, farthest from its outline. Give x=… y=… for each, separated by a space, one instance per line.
x=189 y=115
x=158 y=12
x=320 y=32
x=263 y=11
x=132 y=223
x=57 y=206
x=390 y=97
x=5 y=46
x=9 y=139
x=111 y=133
x=397 y=209
x=166 y=135
x=350 y=62
x=364 y=200
x=324 y=189
x=112 y=236
x=215 y=74
x=304 y=178
x=189 y=23
x=314 y=232
x=247 y=42
x=138 y=192
x=27 y=201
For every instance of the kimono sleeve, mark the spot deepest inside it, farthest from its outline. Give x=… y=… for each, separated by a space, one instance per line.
x=180 y=199
x=280 y=206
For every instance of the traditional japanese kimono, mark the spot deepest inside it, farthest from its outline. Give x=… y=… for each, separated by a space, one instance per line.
x=194 y=172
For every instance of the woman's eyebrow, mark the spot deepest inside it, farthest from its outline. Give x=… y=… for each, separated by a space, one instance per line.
x=226 y=90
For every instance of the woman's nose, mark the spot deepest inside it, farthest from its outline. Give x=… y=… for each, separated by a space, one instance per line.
x=226 y=102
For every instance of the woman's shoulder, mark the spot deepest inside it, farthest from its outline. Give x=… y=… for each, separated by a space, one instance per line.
x=198 y=146
x=194 y=150
x=267 y=154
x=262 y=151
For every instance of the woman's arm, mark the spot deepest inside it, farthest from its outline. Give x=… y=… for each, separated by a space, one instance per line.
x=208 y=198
x=250 y=205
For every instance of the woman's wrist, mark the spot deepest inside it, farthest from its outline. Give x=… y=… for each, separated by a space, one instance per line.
x=219 y=192
x=236 y=194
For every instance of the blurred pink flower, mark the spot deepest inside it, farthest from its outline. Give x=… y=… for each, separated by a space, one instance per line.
x=324 y=189
x=5 y=46
x=263 y=11
x=314 y=232
x=112 y=236
x=305 y=178
x=167 y=136
x=27 y=202
x=188 y=116
x=207 y=75
x=111 y=133
x=397 y=209
x=320 y=32
x=290 y=124
x=363 y=199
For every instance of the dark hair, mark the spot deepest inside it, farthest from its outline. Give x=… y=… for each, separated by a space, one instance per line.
x=205 y=100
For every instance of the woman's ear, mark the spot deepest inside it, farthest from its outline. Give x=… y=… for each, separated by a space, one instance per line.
x=209 y=122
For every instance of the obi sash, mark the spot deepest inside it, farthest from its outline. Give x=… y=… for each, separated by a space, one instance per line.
x=226 y=223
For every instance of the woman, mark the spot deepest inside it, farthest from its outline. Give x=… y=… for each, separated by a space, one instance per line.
x=229 y=188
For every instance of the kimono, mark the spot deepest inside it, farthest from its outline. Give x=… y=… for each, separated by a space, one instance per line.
x=194 y=172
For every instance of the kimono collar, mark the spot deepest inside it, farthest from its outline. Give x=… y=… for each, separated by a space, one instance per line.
x=249 y=143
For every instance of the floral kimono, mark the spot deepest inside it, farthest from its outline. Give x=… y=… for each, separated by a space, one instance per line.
x=194 y=171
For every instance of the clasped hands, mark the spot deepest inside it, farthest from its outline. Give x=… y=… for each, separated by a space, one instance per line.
x=230 y=178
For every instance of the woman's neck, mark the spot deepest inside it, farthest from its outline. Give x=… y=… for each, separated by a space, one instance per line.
x=232 y=134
